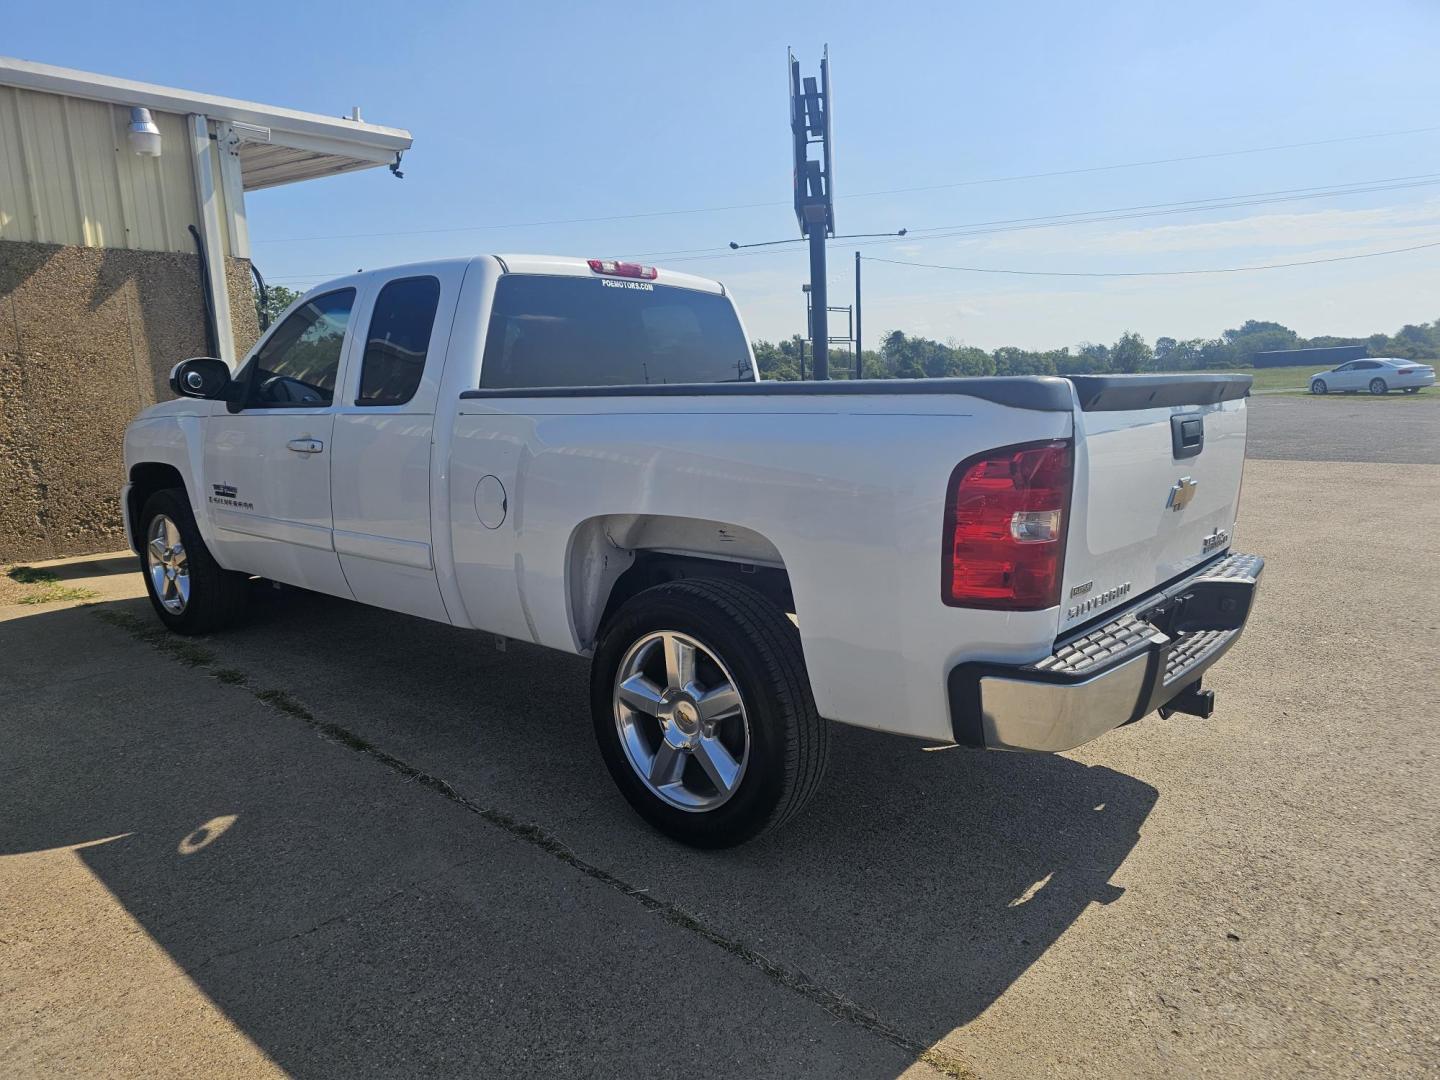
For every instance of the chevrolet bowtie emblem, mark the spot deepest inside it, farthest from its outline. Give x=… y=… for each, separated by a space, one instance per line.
x=1182 y=493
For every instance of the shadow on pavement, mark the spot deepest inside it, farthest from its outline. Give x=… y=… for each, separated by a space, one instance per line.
x=399 y=928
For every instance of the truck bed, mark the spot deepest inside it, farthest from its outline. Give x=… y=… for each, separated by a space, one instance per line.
x=843 y=486
x=1041 y=393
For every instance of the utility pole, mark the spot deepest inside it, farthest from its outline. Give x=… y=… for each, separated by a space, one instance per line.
x=814 y=196
x=819 y=312
x=859 y=360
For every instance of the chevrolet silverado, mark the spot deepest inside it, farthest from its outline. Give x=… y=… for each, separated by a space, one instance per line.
x=580 y=454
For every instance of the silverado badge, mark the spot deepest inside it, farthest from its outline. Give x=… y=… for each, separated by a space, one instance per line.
x=1182 y=493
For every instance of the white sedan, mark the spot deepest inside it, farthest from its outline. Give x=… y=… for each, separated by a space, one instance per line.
x=1378 y=375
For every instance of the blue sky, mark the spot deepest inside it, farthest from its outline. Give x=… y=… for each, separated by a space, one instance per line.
x=542 y=111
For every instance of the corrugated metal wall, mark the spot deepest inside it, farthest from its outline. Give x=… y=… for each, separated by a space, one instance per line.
x=68 y=176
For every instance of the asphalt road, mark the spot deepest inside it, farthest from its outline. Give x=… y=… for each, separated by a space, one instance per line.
x=341 y=842
x=1343 y=428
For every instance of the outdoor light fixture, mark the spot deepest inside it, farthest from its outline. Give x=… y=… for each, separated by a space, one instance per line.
x=144 y=136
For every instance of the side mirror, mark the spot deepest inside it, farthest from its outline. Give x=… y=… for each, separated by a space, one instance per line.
x=201 y=377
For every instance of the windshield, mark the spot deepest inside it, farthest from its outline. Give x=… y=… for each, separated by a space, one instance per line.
x=571 y=331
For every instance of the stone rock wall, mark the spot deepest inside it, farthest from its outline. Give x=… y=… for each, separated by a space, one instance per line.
x=87 y=339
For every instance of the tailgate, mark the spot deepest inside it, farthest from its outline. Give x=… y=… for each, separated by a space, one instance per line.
x=1158 y=461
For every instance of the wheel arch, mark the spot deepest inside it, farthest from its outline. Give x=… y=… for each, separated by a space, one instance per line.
x=614 y=556
x=146 y=478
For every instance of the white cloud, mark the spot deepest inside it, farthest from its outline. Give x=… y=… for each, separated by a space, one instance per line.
x=1377 y=226
x=1346 y=300
x=1355 y=297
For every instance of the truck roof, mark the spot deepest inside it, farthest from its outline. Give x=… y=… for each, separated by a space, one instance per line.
x=574 y=266
x=553 y=265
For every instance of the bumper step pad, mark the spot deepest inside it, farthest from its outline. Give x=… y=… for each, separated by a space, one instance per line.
x=1111 y=674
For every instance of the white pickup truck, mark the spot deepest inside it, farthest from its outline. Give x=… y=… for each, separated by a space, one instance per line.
x=579 y=453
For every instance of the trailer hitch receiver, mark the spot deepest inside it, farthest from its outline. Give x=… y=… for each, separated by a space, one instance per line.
x=1192 y=701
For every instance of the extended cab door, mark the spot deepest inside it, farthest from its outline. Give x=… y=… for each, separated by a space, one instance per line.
x=383 y=433
x=267 y=464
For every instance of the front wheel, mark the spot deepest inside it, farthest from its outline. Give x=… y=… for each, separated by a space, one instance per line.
x=703 y=712
x=189 y=590
x=1377 y=386
x=1319 y=387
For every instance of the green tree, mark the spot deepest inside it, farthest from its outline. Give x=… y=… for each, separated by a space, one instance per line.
x=1180 y=355
x=277 y=299
x=1012 y=361
x=1256 y=335
x=972 y=361
x=912 y=357
x=1096 y=357
x=1217 y=354
x=778 y=362
x=1131 y=354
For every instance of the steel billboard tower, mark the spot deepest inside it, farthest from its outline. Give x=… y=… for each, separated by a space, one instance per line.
x=814 y=191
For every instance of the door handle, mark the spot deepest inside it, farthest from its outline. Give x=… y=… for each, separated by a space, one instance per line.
x=1187 y=435
x=306 y=446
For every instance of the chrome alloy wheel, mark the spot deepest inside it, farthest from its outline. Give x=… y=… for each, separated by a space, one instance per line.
x=166 y=563
x=681 y=721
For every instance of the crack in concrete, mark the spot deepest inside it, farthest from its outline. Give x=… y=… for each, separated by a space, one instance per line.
x=338 y=917
x=833 y=1002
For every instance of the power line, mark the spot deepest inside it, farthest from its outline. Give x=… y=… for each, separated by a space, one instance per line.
x=1121 y=213
x=1155 y=273
x=1024 y=273
x=1047 y=221
x=1145 y=164
x=1090 y=217
x=861 y=194
x=1218 y=202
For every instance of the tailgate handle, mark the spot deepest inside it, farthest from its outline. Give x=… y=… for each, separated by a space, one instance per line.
x=1187 y=434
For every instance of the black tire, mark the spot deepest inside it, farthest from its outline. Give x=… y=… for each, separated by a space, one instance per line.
x=1318 y=387
x=788 y=741
x=1377 y=386
x=217 y=597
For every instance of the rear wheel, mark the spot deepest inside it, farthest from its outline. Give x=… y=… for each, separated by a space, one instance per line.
x=1317 y=386
x=1377 y=386
x=190 y=591
x=703 y=712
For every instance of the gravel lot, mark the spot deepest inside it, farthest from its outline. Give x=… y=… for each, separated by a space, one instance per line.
x=342 y=842
x=1341 y=428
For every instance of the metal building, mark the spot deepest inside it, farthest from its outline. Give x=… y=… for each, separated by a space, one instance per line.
x=103 y=285
x=1320 y=357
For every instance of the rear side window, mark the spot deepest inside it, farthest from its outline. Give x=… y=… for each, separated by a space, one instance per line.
x=398 y=341
x=571 y=331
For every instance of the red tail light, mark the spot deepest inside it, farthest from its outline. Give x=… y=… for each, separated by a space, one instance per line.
x=1005 y=520
x=623 y=269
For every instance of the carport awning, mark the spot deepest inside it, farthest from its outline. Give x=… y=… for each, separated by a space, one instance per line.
x=276 y=145
x=270 y=157
x=263 y=166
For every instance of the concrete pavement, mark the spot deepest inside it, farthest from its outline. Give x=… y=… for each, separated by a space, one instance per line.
x=196 y=883
x=1338 y=427
x=418 y=864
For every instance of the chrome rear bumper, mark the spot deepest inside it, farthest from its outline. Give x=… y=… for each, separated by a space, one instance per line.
x=1111 y=674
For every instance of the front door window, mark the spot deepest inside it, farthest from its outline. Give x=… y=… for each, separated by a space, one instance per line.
x=298 y=364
